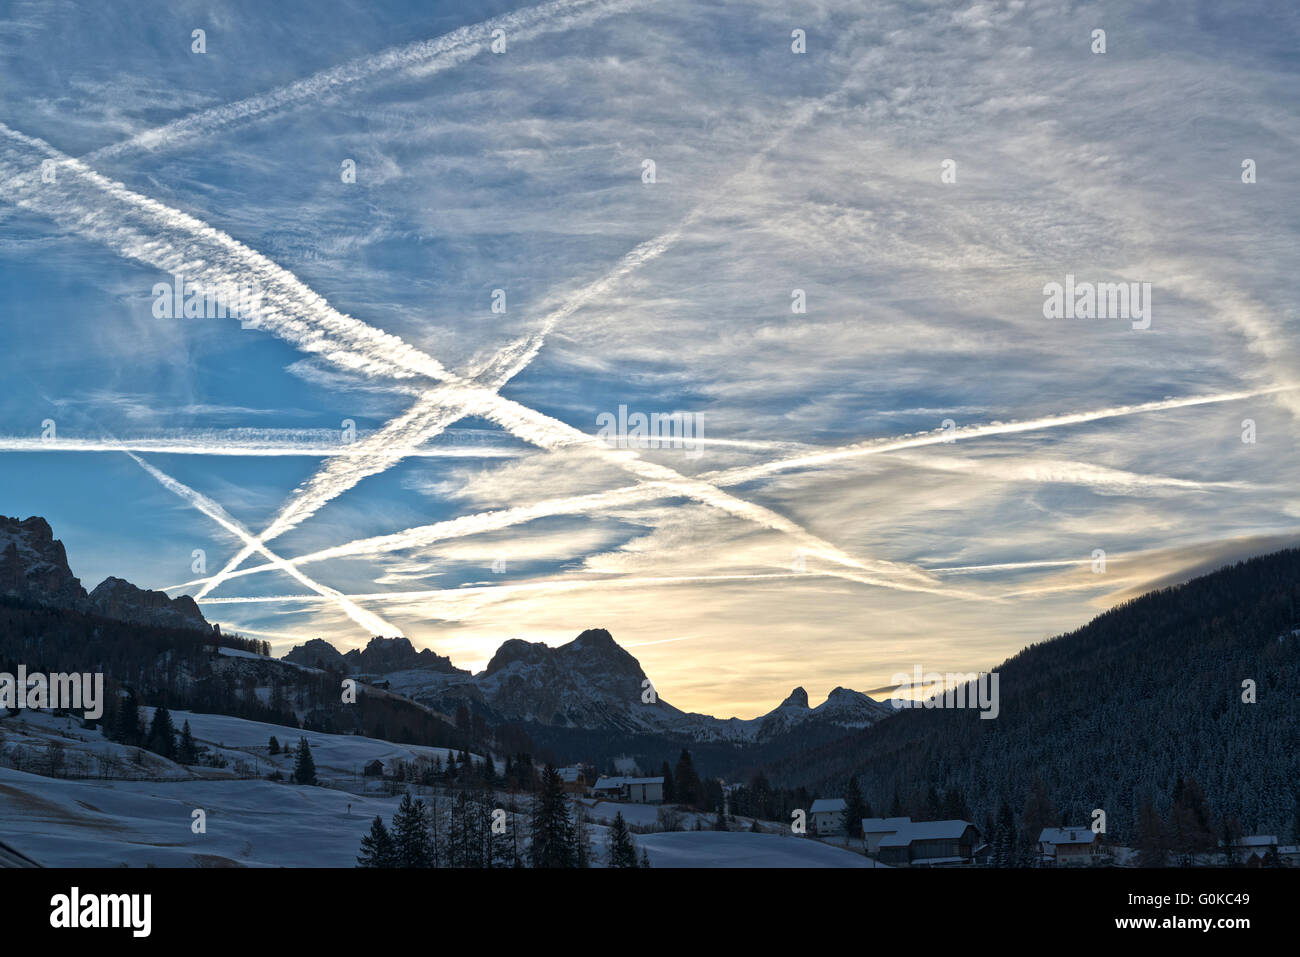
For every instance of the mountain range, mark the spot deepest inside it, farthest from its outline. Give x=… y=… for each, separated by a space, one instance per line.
x=34 y=567
x=590 y=684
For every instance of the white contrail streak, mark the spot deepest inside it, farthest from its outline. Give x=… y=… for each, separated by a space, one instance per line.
x=419 y=59
x=150 y=232
x=1063 y=471
x=138 y=227
x=558 y=584
x=834 y=456
x=490 y=521
x=468 y=525
x=216 y=444
x=373 y=624
x=441 y=406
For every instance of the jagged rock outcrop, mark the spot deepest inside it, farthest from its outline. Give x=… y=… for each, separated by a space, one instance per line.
x=318 y=653
x=34 y=565
x=589 y=683
x=118 y=598
x=380 y=657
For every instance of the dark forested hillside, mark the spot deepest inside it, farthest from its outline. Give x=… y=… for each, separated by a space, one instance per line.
x=1113 y=715
x=182 y=668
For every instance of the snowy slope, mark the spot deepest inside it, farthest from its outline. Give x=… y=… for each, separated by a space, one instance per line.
x=742 y=849
x=64 y=823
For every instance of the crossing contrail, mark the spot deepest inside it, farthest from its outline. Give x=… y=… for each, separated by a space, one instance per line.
x=151 y=232
x=497 y=520
x=373 y=624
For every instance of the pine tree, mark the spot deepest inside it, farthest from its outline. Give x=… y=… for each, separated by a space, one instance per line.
x=468 y=833
x=304 y=767
x=1227 y=845
x=187 y=752
x=377 y=848
x=274 y=747
x=581 y=839
x=1004 y=837
x=954 y=805
x=411 y=834
x=162 y=733
x=1152 y=842
x=686 y=782
x=670 y=795
x=128 y=730
x=1039 y=813
x=552 y=843
x=855 y=808
x=622 y=852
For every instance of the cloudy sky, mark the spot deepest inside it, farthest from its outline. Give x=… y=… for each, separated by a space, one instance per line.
x=918 y=468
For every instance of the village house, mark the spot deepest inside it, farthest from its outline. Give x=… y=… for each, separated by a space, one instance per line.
x=1254 y=850
x=1070 y=845
x=635 y=790
x=931 y=844
x=375 y=769
x=826 y=816
x=574 y=781
x=876 y=828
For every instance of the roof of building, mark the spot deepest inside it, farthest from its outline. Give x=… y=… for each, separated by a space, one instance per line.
x=569 y=775
x=1066 y=835
x=884 y=825
x=643 y=780
x=926 y=831
x=1256 y=840
x=828 y=804
x=603 y=784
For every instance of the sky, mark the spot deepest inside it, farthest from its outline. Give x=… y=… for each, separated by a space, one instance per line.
x=475 y=232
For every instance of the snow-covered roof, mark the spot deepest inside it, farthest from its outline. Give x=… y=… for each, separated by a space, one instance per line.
x=884 y=825
x=828 y=804
x=617 y=783
x=568 y=775
x=1256 y=840
x=926 y=831
x=1066 y=835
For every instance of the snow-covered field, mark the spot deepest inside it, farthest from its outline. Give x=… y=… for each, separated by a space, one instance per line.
x=245 y=746
x=339 y=758
x=65 y=823
x=252 y=822
x=742 y=849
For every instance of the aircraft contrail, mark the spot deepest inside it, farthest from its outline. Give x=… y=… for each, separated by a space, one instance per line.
x=496 y=520
x=204 y=443
x=748 y=473
x=421 y=58
x=1063 y=471
x=373 y=624
x=442 y=406
x=137 y=227
x=559 y=584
